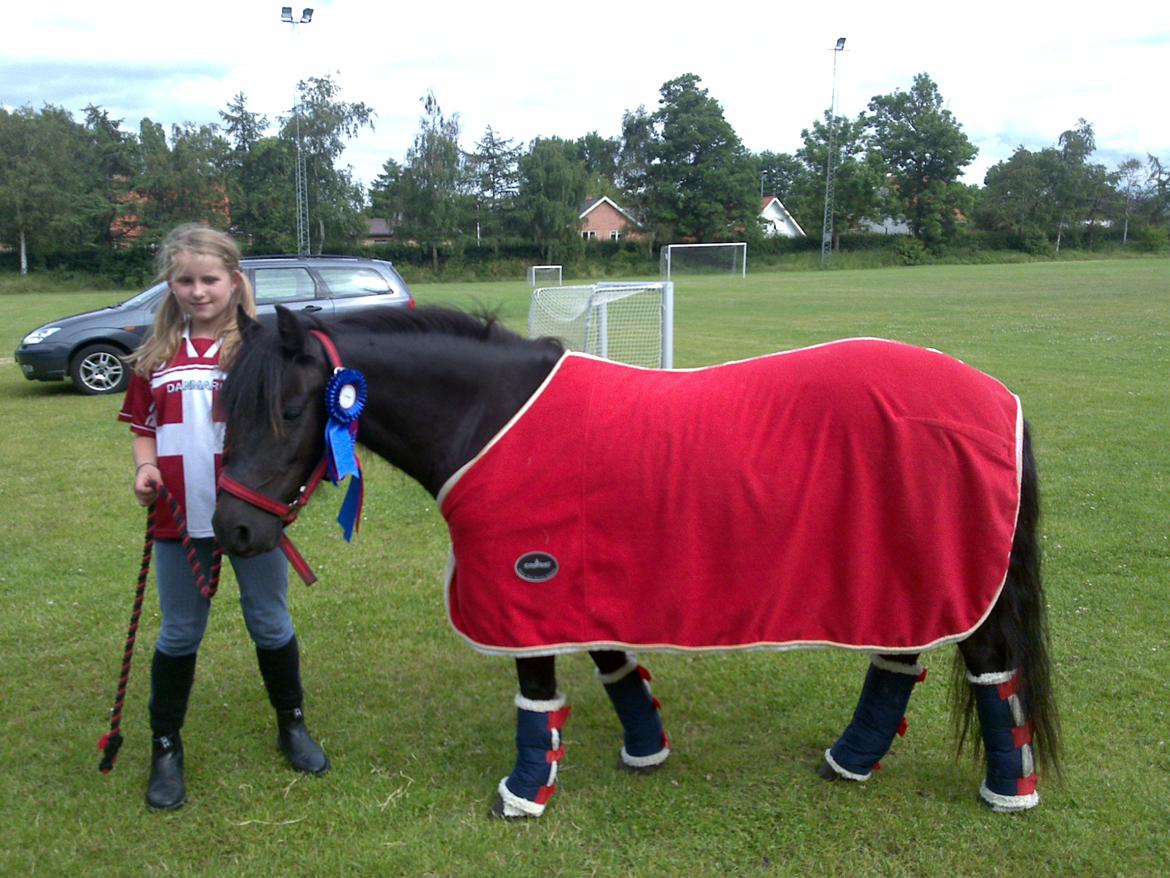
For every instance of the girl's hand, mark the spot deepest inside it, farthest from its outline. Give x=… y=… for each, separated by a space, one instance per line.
x=144 y=481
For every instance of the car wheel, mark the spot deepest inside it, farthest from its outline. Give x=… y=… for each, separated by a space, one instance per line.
x=99 y=368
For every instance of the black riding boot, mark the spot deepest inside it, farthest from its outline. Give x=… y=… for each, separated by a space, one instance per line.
x=281 y=670
x=170 y=686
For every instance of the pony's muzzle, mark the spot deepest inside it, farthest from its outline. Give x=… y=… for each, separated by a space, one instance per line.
x=244 y=531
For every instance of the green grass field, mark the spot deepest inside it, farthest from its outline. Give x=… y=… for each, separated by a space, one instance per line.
x=419 y=728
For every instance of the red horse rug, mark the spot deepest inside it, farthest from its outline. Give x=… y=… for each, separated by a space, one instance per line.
x=860 y=494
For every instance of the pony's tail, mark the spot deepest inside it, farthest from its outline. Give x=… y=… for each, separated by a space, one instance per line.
x=1020 y=621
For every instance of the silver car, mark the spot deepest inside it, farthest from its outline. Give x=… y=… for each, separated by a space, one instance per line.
x=90 y=348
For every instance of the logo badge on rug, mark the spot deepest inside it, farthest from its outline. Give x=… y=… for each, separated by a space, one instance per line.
x=536 y=567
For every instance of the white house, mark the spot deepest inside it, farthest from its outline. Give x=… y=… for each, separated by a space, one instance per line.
x=778 y=221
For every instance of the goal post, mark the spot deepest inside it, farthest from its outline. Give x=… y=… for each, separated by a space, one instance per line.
x=629 y=322
x=544 y=275
x=730 y=258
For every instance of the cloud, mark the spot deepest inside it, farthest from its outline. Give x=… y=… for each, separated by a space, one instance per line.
x=1012 y=73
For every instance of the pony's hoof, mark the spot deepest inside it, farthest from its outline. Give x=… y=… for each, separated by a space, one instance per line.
x=501 y=811
x=826 y=771
x=637 y=769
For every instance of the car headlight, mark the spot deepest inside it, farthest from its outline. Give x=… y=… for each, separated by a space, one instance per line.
x=39 y=335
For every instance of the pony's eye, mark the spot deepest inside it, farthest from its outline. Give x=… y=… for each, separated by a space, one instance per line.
x=292 y=412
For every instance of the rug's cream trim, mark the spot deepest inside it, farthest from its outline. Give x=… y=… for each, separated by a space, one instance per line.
x=458 y=474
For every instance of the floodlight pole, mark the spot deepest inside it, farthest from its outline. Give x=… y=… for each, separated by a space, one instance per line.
x=830 y=171
x=300 y=176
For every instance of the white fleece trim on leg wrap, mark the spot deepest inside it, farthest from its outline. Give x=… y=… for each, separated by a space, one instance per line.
x=514 y=805
x=645 y=761
x=621 y=673
x=1007 y=804
x=996 y=679
x=540 y=706
x=884 y=664
x=845 y=772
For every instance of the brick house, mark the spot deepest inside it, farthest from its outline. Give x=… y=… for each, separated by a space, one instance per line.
x=778 y=222
x=603 y=220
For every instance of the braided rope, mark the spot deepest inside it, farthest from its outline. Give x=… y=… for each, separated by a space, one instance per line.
x=111 y=742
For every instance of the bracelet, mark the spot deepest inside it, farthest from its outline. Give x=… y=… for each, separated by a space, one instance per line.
x=148 y=463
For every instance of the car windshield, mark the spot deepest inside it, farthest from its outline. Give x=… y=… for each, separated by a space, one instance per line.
x=143 y=298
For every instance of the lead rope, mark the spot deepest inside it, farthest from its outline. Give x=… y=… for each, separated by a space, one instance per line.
x=111 y=742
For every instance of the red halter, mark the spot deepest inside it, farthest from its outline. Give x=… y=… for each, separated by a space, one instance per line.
x=287 y=512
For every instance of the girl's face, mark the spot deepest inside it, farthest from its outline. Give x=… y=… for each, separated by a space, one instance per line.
x=203 y=287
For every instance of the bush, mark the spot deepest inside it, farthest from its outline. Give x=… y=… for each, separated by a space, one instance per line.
x=1154 y=239
x=911 y=251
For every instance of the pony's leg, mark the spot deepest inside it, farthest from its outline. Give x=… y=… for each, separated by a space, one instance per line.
x=627 y=684
x=880 y=714
x=1010 y=784
x=540 y=715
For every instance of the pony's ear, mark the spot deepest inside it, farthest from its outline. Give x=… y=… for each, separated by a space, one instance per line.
x=244 y=323
x=292 y=333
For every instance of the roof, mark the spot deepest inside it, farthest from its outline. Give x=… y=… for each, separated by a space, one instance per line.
x=591 y=204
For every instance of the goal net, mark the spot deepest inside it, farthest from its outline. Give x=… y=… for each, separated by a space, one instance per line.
x=627 y=322
x=675 y=259
x=544 y=275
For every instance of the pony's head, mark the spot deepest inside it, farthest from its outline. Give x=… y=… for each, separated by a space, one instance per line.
x=273 y=402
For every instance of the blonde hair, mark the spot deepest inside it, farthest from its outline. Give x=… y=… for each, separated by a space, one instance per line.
x=167 y=332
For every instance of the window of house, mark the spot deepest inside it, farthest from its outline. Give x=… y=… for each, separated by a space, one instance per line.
x=589 y=234
x=614 y=234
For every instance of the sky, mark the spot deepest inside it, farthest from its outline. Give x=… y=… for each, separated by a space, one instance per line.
x=1012 y=73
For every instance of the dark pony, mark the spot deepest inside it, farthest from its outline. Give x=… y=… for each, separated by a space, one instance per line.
x=443 y=385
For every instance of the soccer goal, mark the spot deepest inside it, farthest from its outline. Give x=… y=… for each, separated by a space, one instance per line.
x=544 y=275
x=676 y=259
x=627 y=322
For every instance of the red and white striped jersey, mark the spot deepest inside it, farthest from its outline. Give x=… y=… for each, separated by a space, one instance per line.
x=177 y=406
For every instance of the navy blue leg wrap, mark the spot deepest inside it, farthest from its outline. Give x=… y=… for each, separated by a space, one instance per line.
x=879 y=716
x=646 y=744
x=1010 y=784
x=532 y=782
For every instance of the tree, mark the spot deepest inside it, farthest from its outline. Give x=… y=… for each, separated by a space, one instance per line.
x=701 y=182
x=1019 y=198
x=179 y=180
x=494 y=168
x=1158 y=182
x=322 y=124
x=433 y=180
x=386 y=193
x=259 y=171
x=1081 y=187
x=635 y=155
x=47 y=201
x=858 y=175
x=779 y=173
x=1130 y=180
x=261 y=188
x=553 y=181
x=925 y=150
x=600 y=156
x=244 y=128
x=109 y=161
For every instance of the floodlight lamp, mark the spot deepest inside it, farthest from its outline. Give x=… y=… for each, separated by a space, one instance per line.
x=307 y=15
x=286 y=14
x=840 y=44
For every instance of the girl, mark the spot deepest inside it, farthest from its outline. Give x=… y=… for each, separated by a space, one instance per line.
x=177 y=442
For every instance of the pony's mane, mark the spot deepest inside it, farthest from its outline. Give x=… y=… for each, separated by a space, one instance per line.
x=481 y=326
x=251 y=397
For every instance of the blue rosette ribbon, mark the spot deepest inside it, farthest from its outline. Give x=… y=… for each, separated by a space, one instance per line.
x=345 y=398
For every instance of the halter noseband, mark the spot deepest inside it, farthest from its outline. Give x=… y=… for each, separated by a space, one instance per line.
x=287 y=512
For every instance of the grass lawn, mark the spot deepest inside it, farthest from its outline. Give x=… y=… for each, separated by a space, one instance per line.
x=419 y=727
